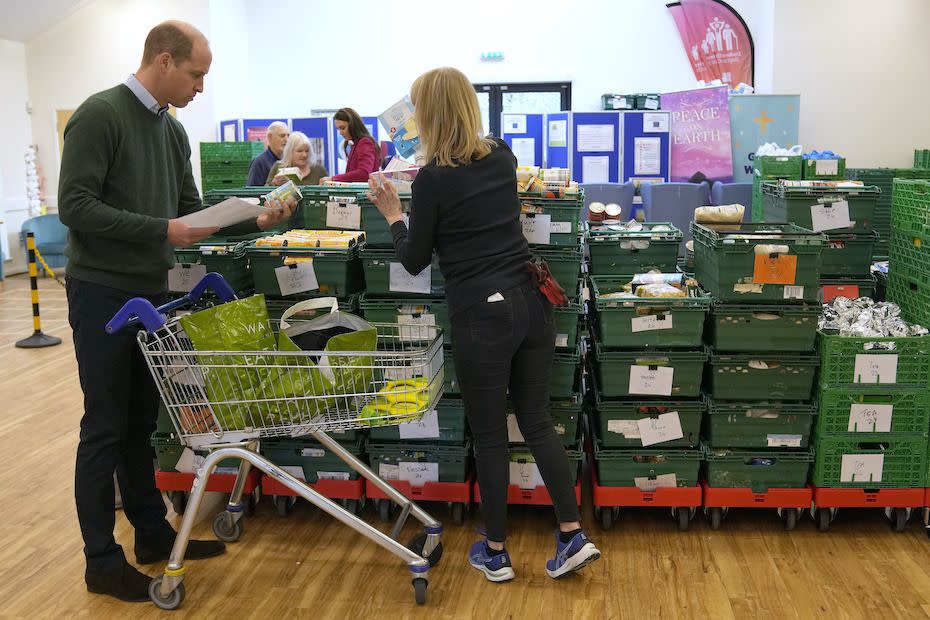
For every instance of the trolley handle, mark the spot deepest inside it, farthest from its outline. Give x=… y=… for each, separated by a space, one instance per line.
x=141 y=310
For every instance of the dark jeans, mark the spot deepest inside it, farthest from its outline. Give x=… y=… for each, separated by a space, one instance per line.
x=501 y=345
x=120 y=407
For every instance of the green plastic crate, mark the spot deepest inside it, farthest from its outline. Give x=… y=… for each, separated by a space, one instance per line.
x=566 y=415
x=738 y=328
x=848 y=254
x=565 y=368
x=909 y=256
x=615 y=368
x=524 y=472
x=725 y=262
x=385 y=275
x=450 y=380
x=851 y=288
x=617 y=421
x=853 y=412
x=647 y=323
x=794 y=203
x=769 y=167
x=648 y=101
x=903 y=463
x=759 y=470
x=320 y=207
x=759 y=424
x=910 y=207
x=568 y=325
x=748 y=376
x=230 y=151
x=563 y=214
x=338 y=271
x=617 y=253
x=315 y=460
x=226 y=257
x=912 y=296
x=163 y=424
x=908 y=364
x=922 y=158
x=414 y=311
x=811 y=170
x=564 y=264
x=446 y=425
x=168 y=450
x=398 y=461
x=621 y=467
x=618 y=102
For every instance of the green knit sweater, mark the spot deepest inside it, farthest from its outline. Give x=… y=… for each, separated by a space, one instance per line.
x=124 y=173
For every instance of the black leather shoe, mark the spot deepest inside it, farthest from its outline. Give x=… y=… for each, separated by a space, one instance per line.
x=128 y=584
x=196 y=550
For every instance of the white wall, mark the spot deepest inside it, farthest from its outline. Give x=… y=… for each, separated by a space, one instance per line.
x=861 y=68
x=17 y=135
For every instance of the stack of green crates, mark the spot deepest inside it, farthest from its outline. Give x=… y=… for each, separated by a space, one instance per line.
x=873 y=422
x=922 y=158
x=567 y=417
x=223 y=255
x=225 y=165
x=909 y=251
x=883 y=179
x=769 y=169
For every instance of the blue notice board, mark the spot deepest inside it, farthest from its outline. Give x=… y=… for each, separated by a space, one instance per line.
x=320 y=131
x=229 y=132
x=527 y=130
x=254 y=129
x=595 y=147
x=646 y=146
x=558 y=140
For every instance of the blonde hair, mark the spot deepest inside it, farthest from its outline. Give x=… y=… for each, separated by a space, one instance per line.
x=298 y=138
x=448 y=117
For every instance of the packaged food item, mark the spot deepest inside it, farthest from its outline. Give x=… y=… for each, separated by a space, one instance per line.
x=723 y=214
x=612 y=212
x=284 y=192
x=659 y=290
x=863 y=317
x=596 y=212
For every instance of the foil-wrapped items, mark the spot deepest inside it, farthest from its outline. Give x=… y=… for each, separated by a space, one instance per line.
x=863 y=317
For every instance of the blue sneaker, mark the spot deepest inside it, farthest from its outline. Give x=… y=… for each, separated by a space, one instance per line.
x=495 y=567
x=571 y=556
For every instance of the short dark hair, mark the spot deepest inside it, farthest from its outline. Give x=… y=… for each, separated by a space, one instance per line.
x=167 y=38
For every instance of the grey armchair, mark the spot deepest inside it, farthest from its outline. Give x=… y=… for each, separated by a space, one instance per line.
x=732 y=193
x=675 y=203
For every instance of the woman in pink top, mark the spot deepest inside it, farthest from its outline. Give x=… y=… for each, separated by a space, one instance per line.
x=365 y=156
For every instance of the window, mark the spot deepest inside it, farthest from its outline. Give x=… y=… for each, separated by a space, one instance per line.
x=540 y=98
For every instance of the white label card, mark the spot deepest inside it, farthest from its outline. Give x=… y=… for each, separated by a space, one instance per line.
x=402 y=282
x=655 y=123
x=862 y=467
x=784 y=441
x=561 y=341
x=295 y=470
x=418 y=474
x=827 y=166
x=876 y=369
x=656 y=380
x=417 y=327
x=628 y=428
x=345 y=215
x=525 y=475
x=183 y=276
x=793 y=292
x=830 y=216
x=560 y=228
x=388 y=471
x=513 y=430
x=661 y=481
x=426 y=427
x=651 y=323
x=332 y=475
x=313 y=452
x=666 y=427
x=298 y=278
x=865 y=418
x=536 y=228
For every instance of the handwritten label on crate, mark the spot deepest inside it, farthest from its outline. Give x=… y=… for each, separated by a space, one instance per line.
x=775 y=440
x=388 y=471
x=666 y=427
x=774 y=269
x=862 y=467
x=827 y=167
x=417 y=327
x=183 y=276
x=794 y=292
x=561 y=341
x=536 y=227
x=560 y=228
x=401 y=281
x=652 y=322
x=654 y=380
x=418 y=474
x=513 y=430
x=332 y=475
x=426 y=427
x=296 y=278
x=345 y=215
x=659 y=482
x=525 y=475
x=867 y=418
x=875 y=368
x=830 y=216
x=628 y=428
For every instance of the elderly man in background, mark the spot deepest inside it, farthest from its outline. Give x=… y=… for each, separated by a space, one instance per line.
x=261 y=165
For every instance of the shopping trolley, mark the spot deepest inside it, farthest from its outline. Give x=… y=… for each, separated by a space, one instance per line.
x=405 y=368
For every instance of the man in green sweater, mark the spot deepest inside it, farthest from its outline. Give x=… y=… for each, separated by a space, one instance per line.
x=125 y=180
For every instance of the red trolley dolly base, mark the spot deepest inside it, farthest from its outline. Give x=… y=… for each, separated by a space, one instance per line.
x=350 y=492
x=789 y=503
x=926 y=511
x=537 y=496
x=683 y=501
x=896 y=502
x=177 y=485
x=457 y=494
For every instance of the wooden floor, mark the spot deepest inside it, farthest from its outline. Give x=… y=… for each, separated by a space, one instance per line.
x=309 y=566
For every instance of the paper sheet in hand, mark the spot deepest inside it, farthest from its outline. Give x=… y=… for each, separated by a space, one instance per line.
x=230 y=211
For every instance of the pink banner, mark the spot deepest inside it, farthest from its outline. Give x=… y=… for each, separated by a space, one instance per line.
x=716 y=40
x=700 y=132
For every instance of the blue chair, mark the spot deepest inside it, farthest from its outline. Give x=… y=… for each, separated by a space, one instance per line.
x=675 y=203
x=51 y=238
x=620 y=193
x=732 y=193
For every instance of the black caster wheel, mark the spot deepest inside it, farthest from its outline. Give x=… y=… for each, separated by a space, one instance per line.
x=385 y=507
x=419 y=590
x=178 y=501
x=416 y=545
x=899 y=519
x=823 y=519
x=283 y=505
x=227 y=529
x=458 y=513
x=250 y=504
x=351 y=505
x=716 y=517
x=790 y=518
x=174 y=598
x=683 y=517
x=606 y=517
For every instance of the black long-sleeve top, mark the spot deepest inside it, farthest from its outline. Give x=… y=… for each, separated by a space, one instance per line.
x=471 y=216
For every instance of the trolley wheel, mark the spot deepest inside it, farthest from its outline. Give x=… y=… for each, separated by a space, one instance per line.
x=419 y=590
x=458 y=513
x=790 y=517
x=174 y=598
x=418 y=542
x=606 y=517
x=823 y=519
x=351 y=505
x=283 y=504
x=178 y=501
x=384 y=510
x=226 y=528
x=683 y=515
x=899 y=519
x=928 y=532
x=716 y=517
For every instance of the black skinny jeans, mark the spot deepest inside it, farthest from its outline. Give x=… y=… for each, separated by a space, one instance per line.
x=501 y=345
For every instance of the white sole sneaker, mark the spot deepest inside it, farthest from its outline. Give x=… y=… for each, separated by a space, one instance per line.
x=587 y=554
x=502 y=574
